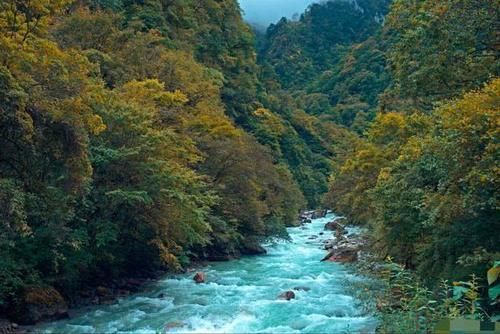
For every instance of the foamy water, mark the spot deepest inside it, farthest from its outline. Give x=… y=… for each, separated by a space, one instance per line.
x=241 y=297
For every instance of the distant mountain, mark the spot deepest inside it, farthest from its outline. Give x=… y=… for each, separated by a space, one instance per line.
x=333 y=53
x=262 y=13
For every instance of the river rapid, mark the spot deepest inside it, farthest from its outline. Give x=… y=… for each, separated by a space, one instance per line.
x=240 y=296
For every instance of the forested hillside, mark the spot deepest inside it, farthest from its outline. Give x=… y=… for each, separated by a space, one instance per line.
x=138 y=135
x=127 y=142
x=332 y=60
x=417 y=84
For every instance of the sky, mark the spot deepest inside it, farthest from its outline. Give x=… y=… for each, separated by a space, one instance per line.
x=265 y=12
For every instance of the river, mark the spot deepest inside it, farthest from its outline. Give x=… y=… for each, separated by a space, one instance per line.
x=240 y=296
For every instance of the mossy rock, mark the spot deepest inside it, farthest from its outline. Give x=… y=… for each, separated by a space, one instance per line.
x=39 y=303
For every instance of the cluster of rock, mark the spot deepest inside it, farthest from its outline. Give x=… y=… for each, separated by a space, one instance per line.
x=343 y=247
x=41 y=303
x=105 y=295
x=7 y=327
x=306 y=217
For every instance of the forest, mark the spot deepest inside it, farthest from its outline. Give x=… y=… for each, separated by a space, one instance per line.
x=139 y=136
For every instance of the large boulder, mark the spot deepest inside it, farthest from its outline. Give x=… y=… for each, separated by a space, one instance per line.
x=345 y=255
x=37 y=304
x=331 y=226
x=199 y=277
x=318 y=214
x=287 y=295
x=334 y=226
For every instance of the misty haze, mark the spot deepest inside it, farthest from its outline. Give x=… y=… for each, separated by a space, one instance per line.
x=265 y=12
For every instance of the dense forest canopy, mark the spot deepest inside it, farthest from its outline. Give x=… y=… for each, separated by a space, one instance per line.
x=123 y=141
x=138 y=135
x=332 y=60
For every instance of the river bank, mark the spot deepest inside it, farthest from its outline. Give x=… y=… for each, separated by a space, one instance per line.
x=42 y=304
x=337 y=242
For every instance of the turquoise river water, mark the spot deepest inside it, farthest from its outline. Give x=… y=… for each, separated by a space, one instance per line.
x=240 y=296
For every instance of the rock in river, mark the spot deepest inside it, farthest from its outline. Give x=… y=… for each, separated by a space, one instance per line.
x=345 y=255
x=287 y=295
x=199 y=277
x=334 y=226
